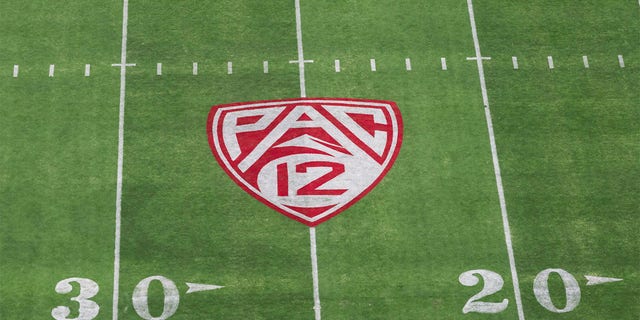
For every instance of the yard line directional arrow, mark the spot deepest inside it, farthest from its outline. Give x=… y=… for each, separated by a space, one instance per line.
x=197 y=287
x=593 y=280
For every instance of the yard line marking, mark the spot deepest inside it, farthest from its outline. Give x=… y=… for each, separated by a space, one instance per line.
x=336 y=64
x=496 y=164
x=372 y=62
x=52 y=69
x=585 y=61
x=407 y=64
x=312 y=230
x=265 y=66
x=194 y=70
x=158 y=69
x=198 y=287
x=229 y=67
x=300 y=61
x=443 y=63
x=475 y=58
x=550 y=61
x=87 y=70
x=123 y=72
x=314 y=272
x=621 y=61
x=595 y=280
x=514 y=59
x=16 y=68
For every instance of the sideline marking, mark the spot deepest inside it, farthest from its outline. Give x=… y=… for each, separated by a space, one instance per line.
x=621 y=61
x=585 y=61
x=407 y=64
x=265 y=66
x=229 y=67
x=52 y=69
x=594 y=280
x=123 y=72
x=373 y=64
x=195 y=69
x=514 y=59
x=15 y=70
x=496 y=165
x=158 y=69
x=87 y=70
x=337 y=65
x=197 y=287
x=550 y=61
x=312 y=230
x=443 y=62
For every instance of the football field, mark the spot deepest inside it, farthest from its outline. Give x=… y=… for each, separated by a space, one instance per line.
x=515 y=193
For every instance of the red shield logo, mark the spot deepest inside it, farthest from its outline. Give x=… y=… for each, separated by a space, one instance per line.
x=307 y=158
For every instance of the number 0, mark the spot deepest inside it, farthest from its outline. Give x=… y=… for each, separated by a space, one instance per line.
x=141 y=299
x=571 y=287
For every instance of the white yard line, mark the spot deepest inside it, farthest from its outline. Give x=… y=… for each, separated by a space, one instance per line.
x=550 y=62
x=621 y=61
x=194 y=69
x=16 y=69
x=407 y=64
x=585 y=61
x=372 y=62
x=514 y=60
x=229 y=67
x=496 y=163
x=314 y=273
x=52 y=69
x=265 y=66
x=87 y=70
x=312 y=230
x=158 y=69
x=123 y=72
x=443 y=63
x=336 y=64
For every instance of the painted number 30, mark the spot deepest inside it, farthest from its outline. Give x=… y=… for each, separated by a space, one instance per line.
x=493 y=283
x=88 y=309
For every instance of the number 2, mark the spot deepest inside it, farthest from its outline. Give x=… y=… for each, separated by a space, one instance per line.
x=492 y=283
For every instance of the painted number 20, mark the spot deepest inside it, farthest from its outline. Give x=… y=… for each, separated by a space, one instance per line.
x=88 y=309
x=493 y=283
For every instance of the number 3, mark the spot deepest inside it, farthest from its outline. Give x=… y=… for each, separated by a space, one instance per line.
x=87 y=309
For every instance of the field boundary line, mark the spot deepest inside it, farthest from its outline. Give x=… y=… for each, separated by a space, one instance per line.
x=123 y=75
x=496 y=163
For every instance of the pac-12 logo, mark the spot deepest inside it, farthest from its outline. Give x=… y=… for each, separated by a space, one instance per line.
x=308 y=158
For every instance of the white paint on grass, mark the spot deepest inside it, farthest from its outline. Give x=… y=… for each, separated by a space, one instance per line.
x=336 y=65
x=87 y=70
x=118 y=219
x=571 y=287
x=52 y=69
x=496 y=164
x=16 y=69
x=229 y=67
x=197 y=287
x=492 y=283
x=443 y=63
x=595 y=280
x=550 y=62
x=514 y=60
x=158 y=69
x=621 y=61
x=585 y=61
x=265 y=66
x=87 y=308
x=314 y=273
x=194 y=69
x=407 y=64
x=372 y=62
x=312 y=230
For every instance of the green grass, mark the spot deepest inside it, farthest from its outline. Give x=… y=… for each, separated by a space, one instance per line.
x=568 y=141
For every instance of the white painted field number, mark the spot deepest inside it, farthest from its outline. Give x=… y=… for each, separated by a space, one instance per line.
x=171 y=298
x=493 y=283
x=87 y=309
